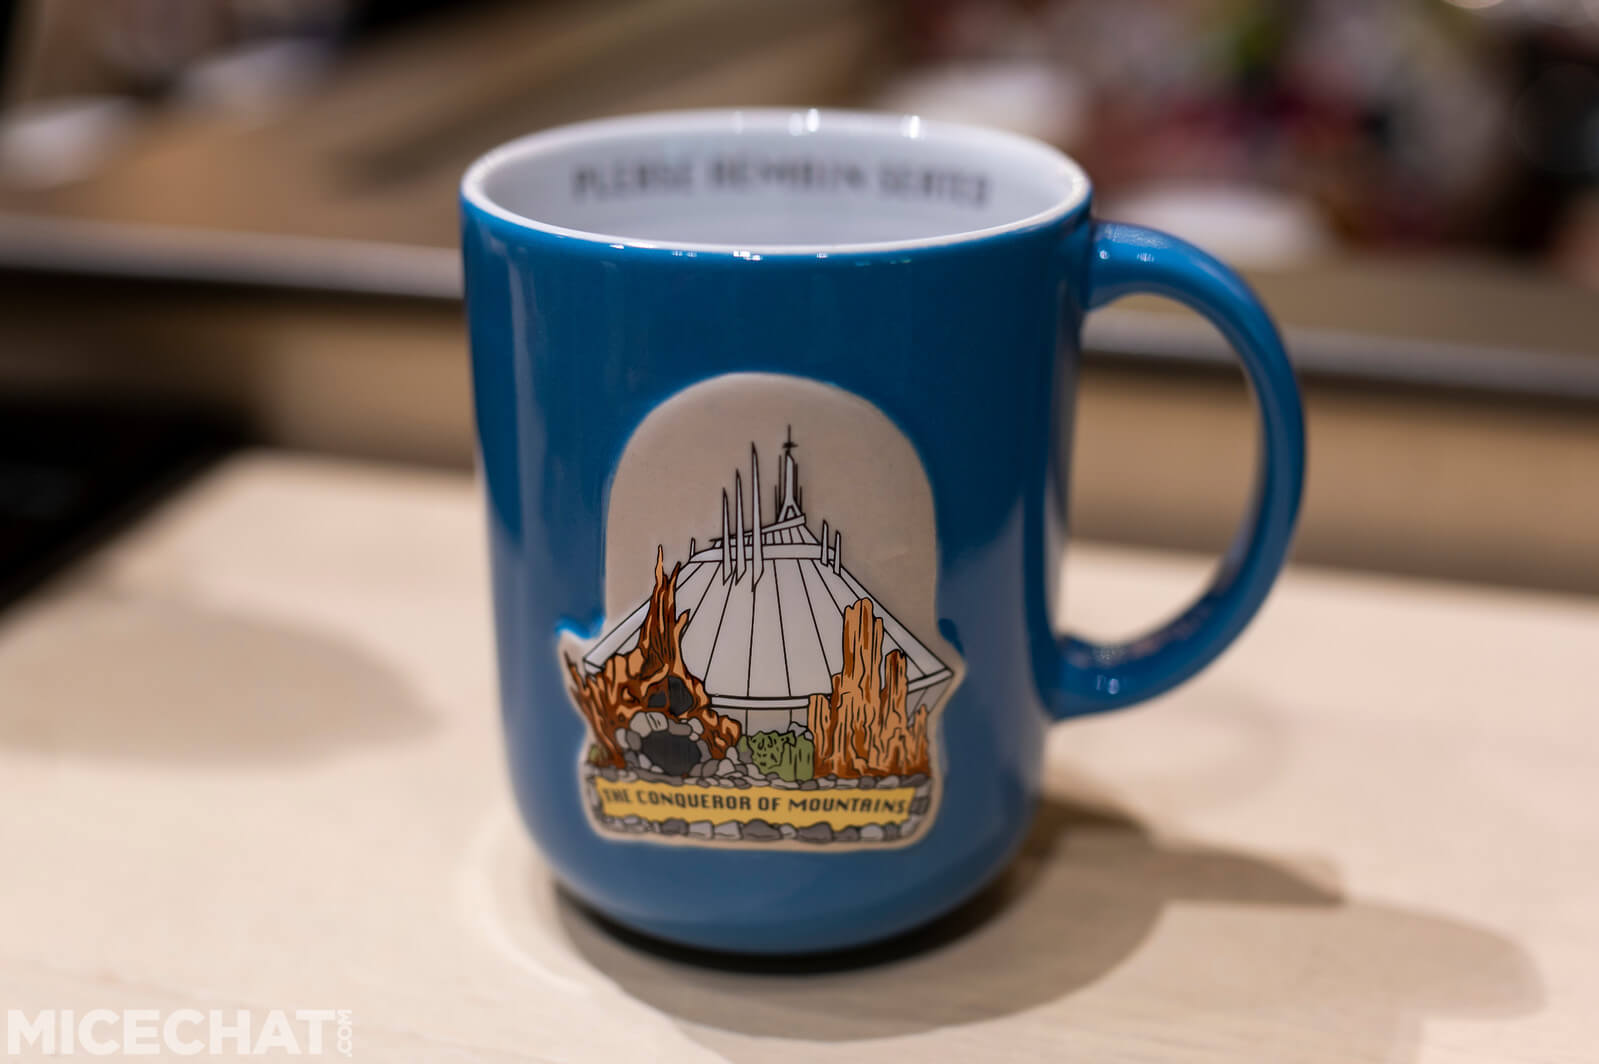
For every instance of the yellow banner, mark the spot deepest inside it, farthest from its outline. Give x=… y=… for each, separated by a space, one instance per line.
x=839 y=807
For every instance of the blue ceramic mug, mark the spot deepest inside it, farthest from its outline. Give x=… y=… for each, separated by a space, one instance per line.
x=769 y=406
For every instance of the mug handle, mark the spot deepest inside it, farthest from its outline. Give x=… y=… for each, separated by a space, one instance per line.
x=1091 y=677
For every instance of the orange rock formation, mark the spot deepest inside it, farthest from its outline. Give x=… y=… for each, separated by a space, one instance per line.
x=641 y=679
x=862 y=728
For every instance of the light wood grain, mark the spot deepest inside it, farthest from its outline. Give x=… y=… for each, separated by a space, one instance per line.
x=249 y=756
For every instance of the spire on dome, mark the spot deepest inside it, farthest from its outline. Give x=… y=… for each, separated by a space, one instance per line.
x=755 y=496
x=727 y=543
x=738 y=525
x=788 y=496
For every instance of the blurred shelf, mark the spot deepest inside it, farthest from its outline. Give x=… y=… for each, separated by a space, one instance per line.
x=295 y=271
x=1422 y=479
x=1441 y=324
x=374 y=149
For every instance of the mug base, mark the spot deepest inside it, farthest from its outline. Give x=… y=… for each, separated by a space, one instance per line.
x=919 y=921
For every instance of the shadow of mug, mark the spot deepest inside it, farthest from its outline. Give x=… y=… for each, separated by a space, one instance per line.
x=132 y=678
x=1100 y=935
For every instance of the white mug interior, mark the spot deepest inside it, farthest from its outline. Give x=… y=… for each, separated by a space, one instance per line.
x=770 y=181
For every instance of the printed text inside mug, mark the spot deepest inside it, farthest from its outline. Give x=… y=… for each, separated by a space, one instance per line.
x=766 y=188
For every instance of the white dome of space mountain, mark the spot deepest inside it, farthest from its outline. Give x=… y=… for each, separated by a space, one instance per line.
x=766 y=605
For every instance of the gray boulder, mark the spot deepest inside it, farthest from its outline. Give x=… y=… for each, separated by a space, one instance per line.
x=647 y=722
x=815 y=833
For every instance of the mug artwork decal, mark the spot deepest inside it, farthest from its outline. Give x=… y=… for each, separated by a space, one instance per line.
x=760 y=688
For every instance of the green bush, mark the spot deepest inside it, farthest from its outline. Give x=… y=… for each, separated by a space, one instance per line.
x=789 y=754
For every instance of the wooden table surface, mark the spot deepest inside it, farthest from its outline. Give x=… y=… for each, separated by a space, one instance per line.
x=249 y=757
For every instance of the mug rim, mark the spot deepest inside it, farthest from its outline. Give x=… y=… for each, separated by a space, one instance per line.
x=1075 y=185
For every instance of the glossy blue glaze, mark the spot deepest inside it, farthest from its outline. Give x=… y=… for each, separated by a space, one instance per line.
x=1080 y=677
x=968 y=347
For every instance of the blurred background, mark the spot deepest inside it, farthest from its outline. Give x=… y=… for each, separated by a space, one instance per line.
x=233 y=223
